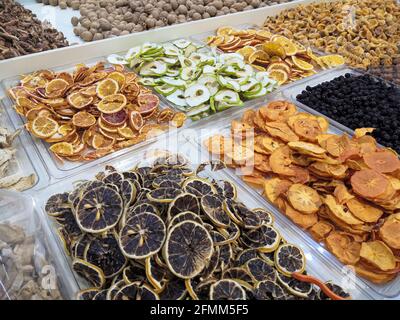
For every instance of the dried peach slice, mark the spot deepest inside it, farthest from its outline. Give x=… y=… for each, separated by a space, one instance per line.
x=303 y=220
x=304 y=198
x=321 y=230
x=83 y=119
x=343 y=247
x=378 y=254
x=369 y=183
x=112 y=103
x=364 y=211
x=340 y=211
x=390 y=231
x=275 y=187
x=382 y=161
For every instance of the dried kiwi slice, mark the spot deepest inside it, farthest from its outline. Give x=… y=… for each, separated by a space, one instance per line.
x=213 y=207
x=93 y=274
x=187 y=249
x=227 y=289
x=261 y=270
x=184 y=202
x=183 y=216
x=198 y=187
x=163 y=195
x=142 y=236
x=136 y=291
x=289 y=259
x=99 y=210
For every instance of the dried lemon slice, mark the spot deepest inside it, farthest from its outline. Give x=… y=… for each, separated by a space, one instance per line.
x=62 y=148
x=289 y=259
x=301 y=64
x=274 y=49
x=89 y=272
x=227 y=289
x=44 y=127
x=378 y=254
x=106 y=88
x=304 y=198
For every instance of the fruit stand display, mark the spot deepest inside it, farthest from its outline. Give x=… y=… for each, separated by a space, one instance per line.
x=216 y=153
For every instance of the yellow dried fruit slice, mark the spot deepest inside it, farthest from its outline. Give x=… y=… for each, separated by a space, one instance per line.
x=280 y=76
x=78 y=100
x=83 y=119
x=263 y=34
x=289 y=46
x=332 y=61
x=246 y=51
x=364 y=211
x=274 y=49
x=304 y=198
x=56 y=85
x=126 y=132
x=62 y=148
x=112 y=103
x=225 y=30
x=106 y=88
x=44 y=127
x=258 y=55
x=378 y=254
x=178 y=119
x=119 y=77
x=301 y=64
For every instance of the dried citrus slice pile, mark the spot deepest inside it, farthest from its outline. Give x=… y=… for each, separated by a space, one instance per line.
x=90 y=112
x=285 y=60
x=163 y=232
x=344 y=190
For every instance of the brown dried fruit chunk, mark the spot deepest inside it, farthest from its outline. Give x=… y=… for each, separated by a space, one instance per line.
x=343 y=247
x=378 y=254
x=363 y=211
x=304 y=198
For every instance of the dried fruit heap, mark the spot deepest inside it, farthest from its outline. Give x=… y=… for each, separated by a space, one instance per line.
x=364 y=32
x=164 y=232
x=22 y=33
x=344 y=191
x=91 y=112
x=283 y=59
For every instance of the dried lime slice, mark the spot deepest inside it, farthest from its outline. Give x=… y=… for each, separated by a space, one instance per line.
x=227 y=290
x=289 y=259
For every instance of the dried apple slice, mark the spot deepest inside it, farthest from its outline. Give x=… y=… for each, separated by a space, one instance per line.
x=382 y=161
x=364 y=211
x=378 y=254
x=343 y=247
x=369 y=183
x=304 y=198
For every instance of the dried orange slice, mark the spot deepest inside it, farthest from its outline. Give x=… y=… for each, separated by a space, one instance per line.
x=97 y=140
x=83 y=119
x=44 y=127
x=258 y=55
x=378 y=254
x=304 y=198
x=112 y=103
x=119 y=77
x=263 y=34
x=390 y=231
x=225 y=30
x=280 y=76
x=178 y=119
x=288 y=45
x=106 y=88
x=246 y=51
x=78 y=100
x=136 y=120
x=56 y=86
x=116 y=119
x=369 y=183
x=126 y=132
x=274 y=49
x=364 y=211
x=301 y=64
x=65 y=129
x=147 y=103
x=343 y=247
x=279 y=66
x=62 y=148
x=382 y=161
x=332 y=61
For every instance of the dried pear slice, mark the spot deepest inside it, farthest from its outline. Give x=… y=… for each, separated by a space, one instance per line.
x=382 y=161
x=390 y=231
x=343 y=247
x=142 y=236
x=99 y=210
x=187 y=249
x=94 y=275
x=304 y=198
x=212 y=205
x=163 y=195
x=378 y=254
x=369 y=183
x=261 y=270
x=198 y=187
x=184 y=202
x=298 y=288
x=340 y=211
x=363 y=211
x=289 y=259
x=226 y=289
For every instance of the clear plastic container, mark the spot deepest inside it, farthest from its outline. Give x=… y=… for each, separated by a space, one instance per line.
x=30 y=266
x=318 y=264
x=389 y=290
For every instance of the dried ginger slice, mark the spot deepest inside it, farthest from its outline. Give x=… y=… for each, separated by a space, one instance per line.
x=369 y=183
x=390 y=231
x=302 y=220
x=304 y=198
x=343 y=247
x=275 y=187
x=363 y=211
x=378 y=254
x=321 y=230
x=382 y=161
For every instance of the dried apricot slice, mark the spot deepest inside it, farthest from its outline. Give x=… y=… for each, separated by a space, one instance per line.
x=364 y=211
x=369 y=183
x=343 y=247
x=44 y=127
x=382 y=161
x=390 y=231
x=112 y=103
x=304 y=198
x=83 y=119
x=106 y=88
x=378 y=254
